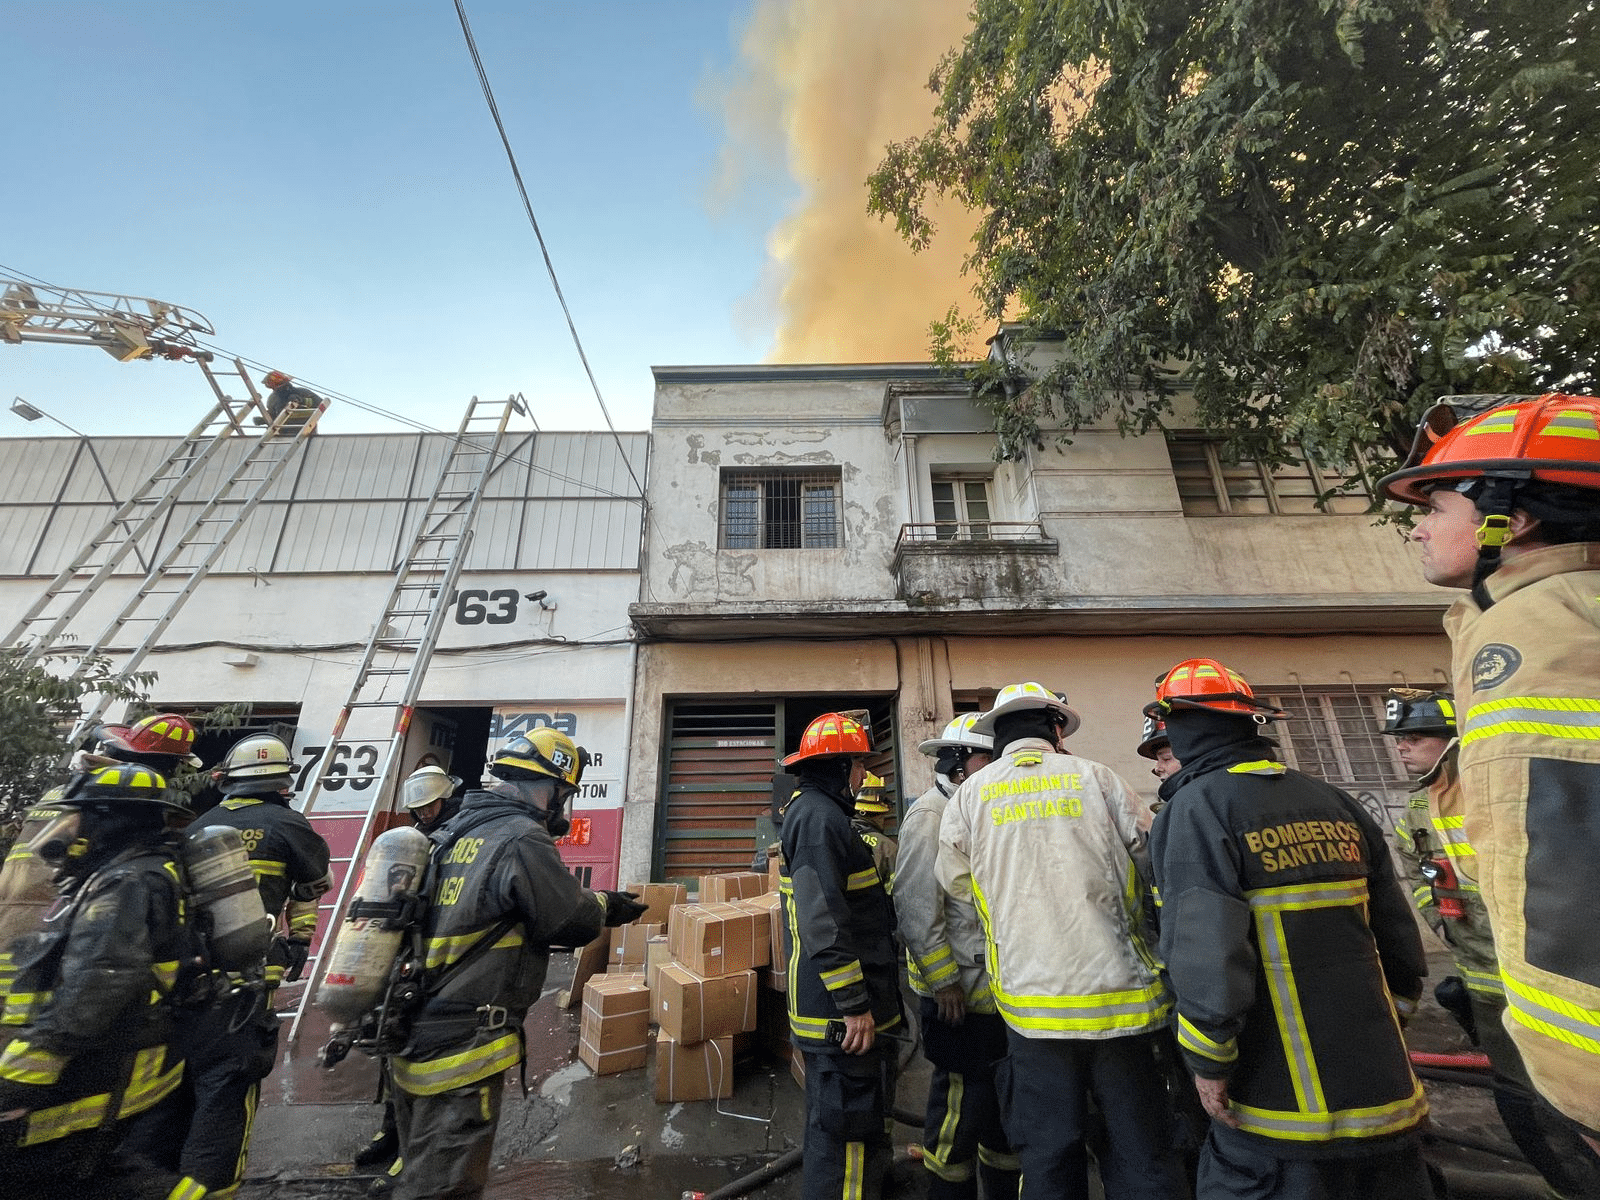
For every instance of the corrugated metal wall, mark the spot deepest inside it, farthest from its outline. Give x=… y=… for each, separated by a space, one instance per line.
x=558 y=501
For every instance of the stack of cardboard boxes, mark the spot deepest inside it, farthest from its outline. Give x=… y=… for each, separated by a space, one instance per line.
x=697 y=982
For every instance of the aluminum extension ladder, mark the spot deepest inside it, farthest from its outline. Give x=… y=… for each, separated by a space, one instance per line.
x=137 y=521
x=383 y=697
x=168 y=585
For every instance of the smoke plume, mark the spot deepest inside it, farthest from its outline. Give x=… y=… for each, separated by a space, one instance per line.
x=828 y=84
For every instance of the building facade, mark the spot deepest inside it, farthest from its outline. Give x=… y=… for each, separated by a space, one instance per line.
x=281 y=622
x=841 y=538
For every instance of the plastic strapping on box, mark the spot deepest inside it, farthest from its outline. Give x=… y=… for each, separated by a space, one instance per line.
x=722 y=1067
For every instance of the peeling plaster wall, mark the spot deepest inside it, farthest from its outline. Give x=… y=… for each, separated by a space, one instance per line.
x=702 y=430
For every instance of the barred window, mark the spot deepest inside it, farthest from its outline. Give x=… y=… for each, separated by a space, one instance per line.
x=777 y=510
x=1335 y=737
x=1209 y=485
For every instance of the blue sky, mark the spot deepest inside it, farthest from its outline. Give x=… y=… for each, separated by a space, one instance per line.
x=323 y=181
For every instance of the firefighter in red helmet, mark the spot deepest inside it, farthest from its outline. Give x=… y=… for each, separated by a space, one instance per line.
x=844 y=981
x=1293 y=954
x=1509 y=488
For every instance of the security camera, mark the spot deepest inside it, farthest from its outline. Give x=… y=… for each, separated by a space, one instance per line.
x=539 y=595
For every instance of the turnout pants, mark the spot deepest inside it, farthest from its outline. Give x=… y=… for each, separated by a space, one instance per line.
x=848 y=1102
x=1547 y=1139
x=1232 y=1170
x=202 y=1131
x=1045 y=1085
x=447 y=1140
x=963 y=1138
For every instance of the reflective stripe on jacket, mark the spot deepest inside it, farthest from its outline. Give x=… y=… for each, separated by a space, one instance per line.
x=1471 y=942
x=841 y=952
x=88 y=1027
x=493 y=861
x=943 y=936
x=1527 y=676
x=1285 y=929
x=1047 y=847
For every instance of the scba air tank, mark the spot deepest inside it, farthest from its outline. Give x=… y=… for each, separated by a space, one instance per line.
x=358 y=967
x=223 y=883
x=26 y=890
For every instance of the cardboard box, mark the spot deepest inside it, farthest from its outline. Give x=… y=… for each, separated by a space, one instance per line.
x=775 y=979
x=628 y=943
x=730 y=885
x=657 y=954
x=691 y=1008
x=712 y=939
x=591 y=962
x=703 y=1071
x=660 y=897
x=768 y=908
x=774 y=869
x=614 y=1032
x=797 y=1067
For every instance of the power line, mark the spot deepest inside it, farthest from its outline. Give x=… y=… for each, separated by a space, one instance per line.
x=398 y=418
x=527 y=207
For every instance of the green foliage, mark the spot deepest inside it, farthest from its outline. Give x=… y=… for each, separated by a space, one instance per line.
x=1324 y=213
x=38 y=709
x=223 y=718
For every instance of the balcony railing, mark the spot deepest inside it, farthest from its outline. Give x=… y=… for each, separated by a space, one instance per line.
x=946 y=562
x=926 y=533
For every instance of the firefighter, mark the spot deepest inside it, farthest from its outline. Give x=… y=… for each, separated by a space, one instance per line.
x=428 y=796
x=870 y=820
x=843 y=978
x=163 y=742
x=963 y=1036
x=1157 y=747
x=1444 y=874
x=500 y=896
x=203 y=1130
x=88 y=1043
x=285 y=394
x=1051 y=848
x=1294 y=957
x=1513 y=516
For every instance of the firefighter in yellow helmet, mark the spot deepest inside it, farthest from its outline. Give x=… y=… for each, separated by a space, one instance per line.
x=1510 y=488
x=871 y=822
x=496 y=881
x=88 y=1042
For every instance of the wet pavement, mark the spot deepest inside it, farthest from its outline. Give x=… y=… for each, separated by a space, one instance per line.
x=578 y=1136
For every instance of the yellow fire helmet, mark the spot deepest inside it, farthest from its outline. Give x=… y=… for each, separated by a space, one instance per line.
x=543 y=754
x=871 y=798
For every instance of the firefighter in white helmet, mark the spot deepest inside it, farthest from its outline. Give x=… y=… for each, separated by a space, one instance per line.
x=963 y=1036
x=1051 y=849
x=428 y=797
x=495 y=881
x=203 y=1129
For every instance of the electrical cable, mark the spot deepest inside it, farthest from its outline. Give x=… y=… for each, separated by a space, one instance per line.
x=544 y=250
x=397 y=418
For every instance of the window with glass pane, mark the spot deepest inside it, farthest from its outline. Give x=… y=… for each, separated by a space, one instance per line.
x=1209 y=485
x=780 y=510
x=1335 y=737
x=960 y=507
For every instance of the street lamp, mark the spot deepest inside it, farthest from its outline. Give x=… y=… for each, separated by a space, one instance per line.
x=29 y=412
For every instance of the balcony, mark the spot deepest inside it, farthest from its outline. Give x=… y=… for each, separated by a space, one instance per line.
x=936 y=563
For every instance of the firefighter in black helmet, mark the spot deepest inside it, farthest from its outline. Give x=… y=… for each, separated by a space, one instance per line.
x=88 y=1033
x=203 y=1130
x=496 y=882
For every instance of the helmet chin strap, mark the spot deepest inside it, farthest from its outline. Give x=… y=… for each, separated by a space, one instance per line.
x=1496 y=502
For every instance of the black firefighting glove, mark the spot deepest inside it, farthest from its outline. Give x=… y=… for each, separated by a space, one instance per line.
x=294 y=953
x=623 y=908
